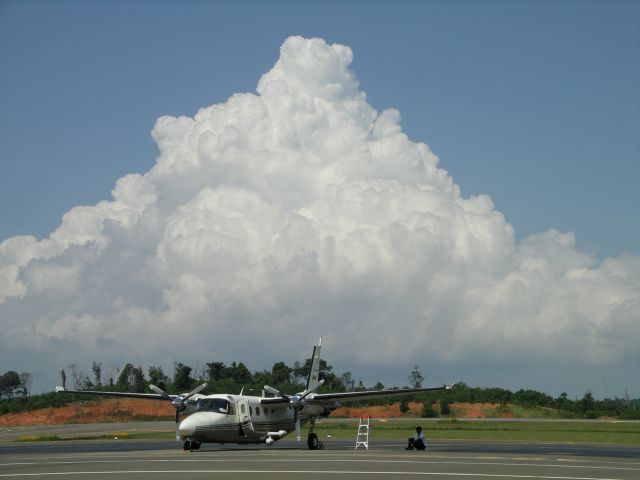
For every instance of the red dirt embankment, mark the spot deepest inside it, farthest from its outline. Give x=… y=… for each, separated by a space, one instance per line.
x=458 y=410
x=129 y=410
x=111 y=410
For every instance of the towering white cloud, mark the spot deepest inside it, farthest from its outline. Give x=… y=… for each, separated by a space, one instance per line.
x=273 y=218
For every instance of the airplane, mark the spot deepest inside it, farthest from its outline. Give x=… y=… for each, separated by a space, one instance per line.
x=245 y=419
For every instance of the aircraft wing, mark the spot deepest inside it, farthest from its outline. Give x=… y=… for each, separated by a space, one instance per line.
x=149 y=396
x=332 y=398
x=321 y=398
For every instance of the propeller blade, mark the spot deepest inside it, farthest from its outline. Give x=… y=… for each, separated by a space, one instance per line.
x=177 y=418
x=312 y=389
x=273 y=391
x=298 y=432
x=159 y=391
x=194 y=391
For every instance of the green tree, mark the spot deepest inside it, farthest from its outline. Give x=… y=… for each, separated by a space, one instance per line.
x=238 y=373
x=215 y=370
x=587 y=404
x=138 y=382
x=428 y=411
x=182 y=378
x=158 y=378
x=131 y=379
x=563 y=402
x=404 y=405
x=96 y=368
x=531 y=398
x=415 y=377
x=281 y=374
x=9 y=381
x=348 y=381
x=124 y=379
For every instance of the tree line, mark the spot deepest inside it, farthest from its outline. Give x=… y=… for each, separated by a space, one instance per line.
x=235 y=377
x=221 y=378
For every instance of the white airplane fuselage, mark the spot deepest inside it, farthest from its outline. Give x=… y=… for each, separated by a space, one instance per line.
x=224 y=418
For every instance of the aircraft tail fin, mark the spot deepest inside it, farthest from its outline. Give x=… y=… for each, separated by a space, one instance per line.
x=314 y=373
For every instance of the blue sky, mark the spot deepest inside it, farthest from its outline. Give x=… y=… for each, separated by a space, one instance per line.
x=535 y=103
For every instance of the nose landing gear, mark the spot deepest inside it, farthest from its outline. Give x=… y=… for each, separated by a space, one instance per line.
x=190 y=445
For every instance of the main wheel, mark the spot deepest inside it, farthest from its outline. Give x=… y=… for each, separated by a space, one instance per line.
x=187 y=445
x=312 y=441
x=195 y=445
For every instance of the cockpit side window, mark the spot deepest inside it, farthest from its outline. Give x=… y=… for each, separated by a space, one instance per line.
x=218 y=405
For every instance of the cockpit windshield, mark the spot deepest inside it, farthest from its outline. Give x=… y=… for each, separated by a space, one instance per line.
x=218 y=405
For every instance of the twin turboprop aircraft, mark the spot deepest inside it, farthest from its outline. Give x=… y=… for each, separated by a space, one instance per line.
x=228 y=418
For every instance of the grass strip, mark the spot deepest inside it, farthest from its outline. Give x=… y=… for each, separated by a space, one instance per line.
x=578 y=432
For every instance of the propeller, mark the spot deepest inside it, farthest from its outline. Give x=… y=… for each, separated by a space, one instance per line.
x=273 y=391
x=296 y=401
x=178 y=401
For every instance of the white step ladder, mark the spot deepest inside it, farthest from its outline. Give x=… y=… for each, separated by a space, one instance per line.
x=362 y=439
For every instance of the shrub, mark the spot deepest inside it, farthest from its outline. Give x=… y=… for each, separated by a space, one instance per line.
x=428 y=411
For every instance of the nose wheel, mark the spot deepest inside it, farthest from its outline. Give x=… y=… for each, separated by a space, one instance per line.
x=190 y=445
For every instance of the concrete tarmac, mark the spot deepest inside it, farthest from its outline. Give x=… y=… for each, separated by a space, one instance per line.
x=153 y=459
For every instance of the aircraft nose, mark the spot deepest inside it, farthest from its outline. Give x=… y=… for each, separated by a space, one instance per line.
x=187 y=427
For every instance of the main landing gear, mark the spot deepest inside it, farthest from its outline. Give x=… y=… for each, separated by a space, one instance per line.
x=312 y=439
x=190 y=445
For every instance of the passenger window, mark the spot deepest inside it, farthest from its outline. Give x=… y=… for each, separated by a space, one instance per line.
x=242 y=409
x=257 y=410
x=250 y=410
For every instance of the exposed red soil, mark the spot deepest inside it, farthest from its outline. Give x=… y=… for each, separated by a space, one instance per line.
x=111 y=410
x=129 y=410
x=378 y=411
x=458 y=410
x=476 y=410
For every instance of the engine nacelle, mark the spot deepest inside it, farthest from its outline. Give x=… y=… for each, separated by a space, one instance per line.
x=315 y=410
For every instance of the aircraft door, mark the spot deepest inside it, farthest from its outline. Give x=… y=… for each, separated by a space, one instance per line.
x=243 y=410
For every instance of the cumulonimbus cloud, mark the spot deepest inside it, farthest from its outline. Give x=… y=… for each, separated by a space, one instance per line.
x=275 y=217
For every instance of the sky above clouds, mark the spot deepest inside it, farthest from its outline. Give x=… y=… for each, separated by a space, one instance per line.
x=449 y=184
